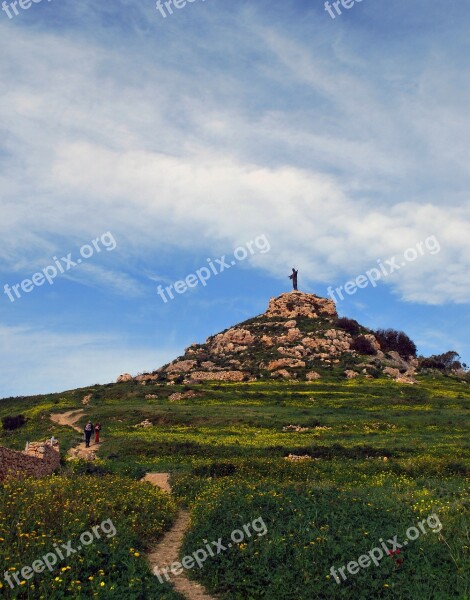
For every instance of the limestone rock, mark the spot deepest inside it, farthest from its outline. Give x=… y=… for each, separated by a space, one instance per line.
x=181 y=366
x=281 y=363
x=313 y=375
x=297 y=304
x=124 y=377
x=218 y=375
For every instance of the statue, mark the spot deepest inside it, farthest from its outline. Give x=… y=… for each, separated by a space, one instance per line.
x=294 y=278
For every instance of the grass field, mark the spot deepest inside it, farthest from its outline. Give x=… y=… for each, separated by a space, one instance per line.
x=381 y=458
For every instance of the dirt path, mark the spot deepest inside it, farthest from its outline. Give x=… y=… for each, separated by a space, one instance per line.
x=70 y=418
x=168 y=550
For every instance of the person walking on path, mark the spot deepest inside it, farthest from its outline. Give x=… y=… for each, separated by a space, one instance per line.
x=294 y=278
x=97 y=433
x=88 y=429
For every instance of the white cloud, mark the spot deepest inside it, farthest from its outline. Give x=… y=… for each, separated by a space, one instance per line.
x=363 y=171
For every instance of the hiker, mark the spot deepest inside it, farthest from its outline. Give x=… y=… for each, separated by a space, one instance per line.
x=88 y=429
x=97 y=433
x=294 y=278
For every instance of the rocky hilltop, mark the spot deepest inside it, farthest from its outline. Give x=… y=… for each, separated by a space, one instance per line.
x=298 y=337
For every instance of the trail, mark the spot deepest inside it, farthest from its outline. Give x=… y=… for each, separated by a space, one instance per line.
x=168 y=550
x=70 y=418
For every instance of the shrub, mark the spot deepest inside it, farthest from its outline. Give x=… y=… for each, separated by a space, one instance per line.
x=349 y=325
x=447 y=362
x=11 y=423
x=398 y=341
x=364 y=346
x=216 y=469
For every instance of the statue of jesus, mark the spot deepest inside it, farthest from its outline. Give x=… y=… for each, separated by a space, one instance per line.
x=294 y=278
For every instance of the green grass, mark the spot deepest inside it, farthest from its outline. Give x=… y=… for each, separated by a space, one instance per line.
x=384 y=455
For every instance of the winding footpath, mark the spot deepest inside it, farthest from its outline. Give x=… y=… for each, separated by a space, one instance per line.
x=70 y=418
x=168 y=550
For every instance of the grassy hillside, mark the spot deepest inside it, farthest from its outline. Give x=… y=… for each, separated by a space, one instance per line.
x=380 y=457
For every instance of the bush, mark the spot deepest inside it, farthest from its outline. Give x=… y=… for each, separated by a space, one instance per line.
x=349 y=325
x=363 y=346
x=398 y=341
x=447 y=362
x=11 y=423
x=216 y=469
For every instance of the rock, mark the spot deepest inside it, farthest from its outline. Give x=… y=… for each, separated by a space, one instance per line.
x=208 y=365
x=145 y=424
x=181 y=366
x=124 y=377
x=296 y=351
x=391 y=371
x=281 y=363
x=281 y=374
x=313 y=375
x=297 y=304
x=296 y=428
x=182 y=395
x=373 y=340
x=403 y=379
x=233 y=340
x=351 y=374
x=218 y=376
x=290 y=324
x=267 y=341
x=295 y=457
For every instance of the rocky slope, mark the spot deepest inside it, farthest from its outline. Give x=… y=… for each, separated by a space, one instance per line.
x=298 y=337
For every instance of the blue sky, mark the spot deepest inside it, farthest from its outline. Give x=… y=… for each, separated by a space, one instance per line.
x=342 y=141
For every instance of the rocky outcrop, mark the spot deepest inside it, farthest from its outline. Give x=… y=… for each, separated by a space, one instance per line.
x=312 y=376
x=297 y=304
x=234 y=340
x=124 y=377
x=181 y=366
x=285 y=362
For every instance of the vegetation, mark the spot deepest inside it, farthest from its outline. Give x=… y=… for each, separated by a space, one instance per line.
x=349 y=325
x=378 y=456
x=11 y=423
x=447 y=362
x=36 y=514
x=364 y=346
x=392 y=340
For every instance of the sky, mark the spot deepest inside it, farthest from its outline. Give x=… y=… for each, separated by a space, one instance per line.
x=150 y=145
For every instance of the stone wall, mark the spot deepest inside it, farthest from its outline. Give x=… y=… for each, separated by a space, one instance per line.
x=38 y=460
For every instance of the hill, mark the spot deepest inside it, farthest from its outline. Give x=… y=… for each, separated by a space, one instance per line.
x=299 y=337
x=329 y=464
